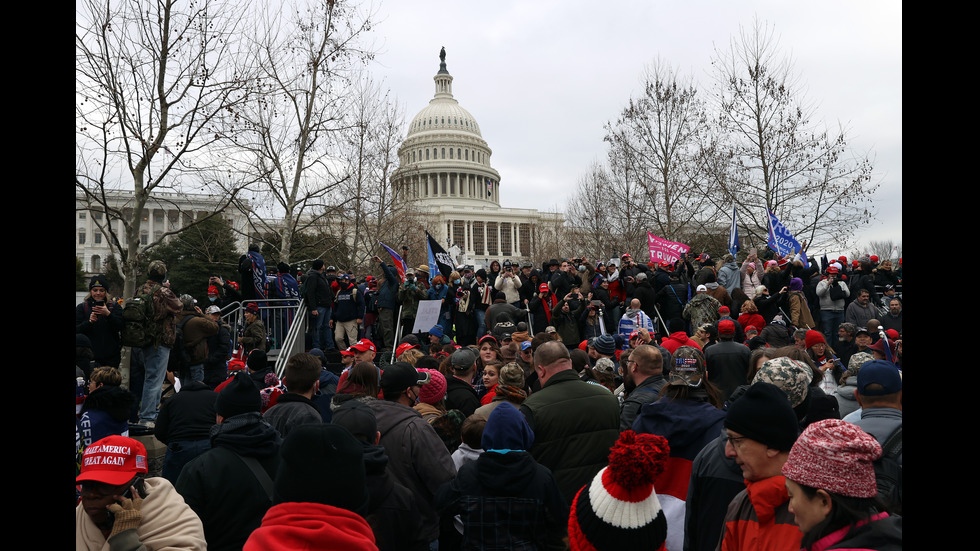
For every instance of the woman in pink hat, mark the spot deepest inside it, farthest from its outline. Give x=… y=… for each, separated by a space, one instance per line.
x=830 y=477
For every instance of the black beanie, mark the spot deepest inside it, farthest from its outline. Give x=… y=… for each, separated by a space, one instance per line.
x=257 y=360
x=239 y=396
x=97 y=281
x=311 y=450
x=763 y=414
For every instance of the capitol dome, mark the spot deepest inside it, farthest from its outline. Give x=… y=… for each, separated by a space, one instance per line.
x=444 y=156
x=444 y=114
x=444 y=167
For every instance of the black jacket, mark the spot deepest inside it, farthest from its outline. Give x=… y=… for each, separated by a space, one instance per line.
x=728 y=366
x=220 y=486
x=506 y=501
x=461 y=395
x=393 y=511
x=104 y=333
x=318 y=294
x=189 y=415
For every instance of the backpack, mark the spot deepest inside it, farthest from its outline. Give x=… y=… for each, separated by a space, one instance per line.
x=371 y=302
x=139 y=326
x=888 y=473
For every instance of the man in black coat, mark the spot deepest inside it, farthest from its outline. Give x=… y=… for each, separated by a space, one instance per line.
x=460 y=394
x=230 y=485
x=393 y=511
x=727 y=361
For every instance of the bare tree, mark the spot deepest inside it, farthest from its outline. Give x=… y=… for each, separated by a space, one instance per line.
x=657 y=142
x=631 y=205
x=157 y=84
x=885 y=249
x=780 y=158
x=375 y=211
x=309 y=55
x=591 y=215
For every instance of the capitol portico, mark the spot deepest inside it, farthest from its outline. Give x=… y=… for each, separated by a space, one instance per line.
x=445 y=164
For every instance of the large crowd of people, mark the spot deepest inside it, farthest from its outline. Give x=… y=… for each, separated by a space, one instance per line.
x=693 y=405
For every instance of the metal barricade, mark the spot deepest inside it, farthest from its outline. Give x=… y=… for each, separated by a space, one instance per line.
x=285 y=325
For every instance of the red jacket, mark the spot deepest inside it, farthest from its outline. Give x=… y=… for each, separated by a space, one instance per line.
x=745 y=320
x=677 y=340
x=758 y=519
x=292 y=525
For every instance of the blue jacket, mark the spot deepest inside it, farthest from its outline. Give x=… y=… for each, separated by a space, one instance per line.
x=349 y=305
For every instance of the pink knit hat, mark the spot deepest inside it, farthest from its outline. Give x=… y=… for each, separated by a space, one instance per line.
x=836 y=456
x=435 y=390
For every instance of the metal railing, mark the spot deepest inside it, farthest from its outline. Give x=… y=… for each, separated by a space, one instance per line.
x=285 y=325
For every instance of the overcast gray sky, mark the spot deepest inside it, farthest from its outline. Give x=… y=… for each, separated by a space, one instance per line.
x=542 y=77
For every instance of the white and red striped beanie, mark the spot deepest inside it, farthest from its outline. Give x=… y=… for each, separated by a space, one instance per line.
x=619 y=509
x=835 y=456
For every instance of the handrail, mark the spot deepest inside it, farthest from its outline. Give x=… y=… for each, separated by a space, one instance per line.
x=295 y=340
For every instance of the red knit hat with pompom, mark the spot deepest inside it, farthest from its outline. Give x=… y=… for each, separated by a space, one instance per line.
x=619 y=508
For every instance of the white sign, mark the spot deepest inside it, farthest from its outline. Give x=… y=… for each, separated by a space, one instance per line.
x=427 y=315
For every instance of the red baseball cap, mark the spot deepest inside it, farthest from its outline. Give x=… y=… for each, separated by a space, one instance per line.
x=543 y=288
x=403 y=347
x=114 y=460
x=364 y=345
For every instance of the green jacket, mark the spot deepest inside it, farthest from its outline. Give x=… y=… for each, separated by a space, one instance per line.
x=574 y=426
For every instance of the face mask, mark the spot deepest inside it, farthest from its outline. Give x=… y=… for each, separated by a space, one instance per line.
x=438 y=286
x=455 y=282
x=212 y=299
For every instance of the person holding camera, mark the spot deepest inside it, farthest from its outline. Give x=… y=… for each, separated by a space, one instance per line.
x=100 y=320
x=565 y=316
x=510 y=285
x=833 y=293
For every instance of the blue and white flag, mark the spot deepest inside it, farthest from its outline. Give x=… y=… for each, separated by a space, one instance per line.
x=781 y=241
x=733 y=245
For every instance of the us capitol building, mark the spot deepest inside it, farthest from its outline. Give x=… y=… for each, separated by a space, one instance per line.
x=444 y=162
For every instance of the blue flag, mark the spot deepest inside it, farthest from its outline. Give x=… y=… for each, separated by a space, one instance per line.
x=781 y=241
x=733 y=245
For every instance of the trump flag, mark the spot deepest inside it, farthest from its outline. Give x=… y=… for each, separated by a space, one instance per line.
x=661 y=249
